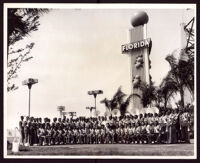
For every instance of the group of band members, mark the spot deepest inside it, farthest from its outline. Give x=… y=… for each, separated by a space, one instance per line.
x=172 y=126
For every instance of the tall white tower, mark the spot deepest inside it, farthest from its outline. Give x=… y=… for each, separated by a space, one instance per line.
x=139 y=49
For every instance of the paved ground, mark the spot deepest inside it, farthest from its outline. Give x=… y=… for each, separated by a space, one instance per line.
x=111 y=149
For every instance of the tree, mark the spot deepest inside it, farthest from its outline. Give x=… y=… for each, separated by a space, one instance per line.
x=148 y=93
x=118 y=101
x=21 y=23
x=166 y=90
x=106 y=102
x=180 y=76
x=124 y=105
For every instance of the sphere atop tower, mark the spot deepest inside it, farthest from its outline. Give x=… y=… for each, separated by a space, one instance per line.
x=139 y=18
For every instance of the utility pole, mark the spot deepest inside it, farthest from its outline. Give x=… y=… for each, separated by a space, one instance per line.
x=95 y=93
x=29 y=82
x=61 y=109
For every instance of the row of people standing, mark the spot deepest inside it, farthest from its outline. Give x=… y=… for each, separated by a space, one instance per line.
x=167 y=127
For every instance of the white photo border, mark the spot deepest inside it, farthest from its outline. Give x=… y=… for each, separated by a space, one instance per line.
x=93 y=6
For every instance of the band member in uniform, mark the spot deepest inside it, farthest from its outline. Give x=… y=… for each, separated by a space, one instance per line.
x=98 y=135
x=35 y=132
x=70 y=132
x=138 y=132
x=31 y=132
x=41 y=134
x=172 y=135
x=65 y=135
x=48 y=134
x=59 y=135
x=134 y=135
x=157 y=130
x=150 y=132
x=54 y=135
x=26 y=134
x=177 y=125
x=184 y=124
x=21 y=129
x=143 y=133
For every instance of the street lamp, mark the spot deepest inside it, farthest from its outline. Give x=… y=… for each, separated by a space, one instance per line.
x=29 y=82
x=61 y=109
x=95 y=93
x=90 y=108
x=72 y=114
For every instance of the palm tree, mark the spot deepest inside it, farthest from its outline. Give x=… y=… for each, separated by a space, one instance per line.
x=124 y=105
x=118 y=101
x=148 y=93
x=21 y=23
x=166 y=90
x=180 y=76
x=107 y=103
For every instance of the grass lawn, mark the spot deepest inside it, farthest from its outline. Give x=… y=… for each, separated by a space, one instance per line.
x=111 y=149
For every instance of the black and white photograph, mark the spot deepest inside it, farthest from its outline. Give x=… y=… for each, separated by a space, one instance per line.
x=100 y=81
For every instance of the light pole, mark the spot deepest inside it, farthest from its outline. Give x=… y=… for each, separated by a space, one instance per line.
x=90 y=108
x=95 y=93
x=61 y=109
x=29 y=82
x=72 y=114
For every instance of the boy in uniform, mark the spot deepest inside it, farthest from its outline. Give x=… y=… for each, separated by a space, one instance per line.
x=156 y=132
x=21 y=129
x=150 y=132
x=143 y=132
x=41 y=134
x=134 y=137
x=48 y=135
x=184 y=125
x=54 y=135
x=138 y=132
x=65 y=135
x=26 y=134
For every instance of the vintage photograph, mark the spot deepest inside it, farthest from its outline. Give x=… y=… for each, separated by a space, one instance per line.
x=100 y=81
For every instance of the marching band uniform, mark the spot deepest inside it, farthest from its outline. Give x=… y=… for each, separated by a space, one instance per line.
x=134 y=138
x=184 y=124
x=172 y=137
x=41 y=135
x=48 y=135
x=150 y=132
x=26 y=133
x=21 y=129
x=157 y=130
x=129 y=129
x=143 y=133
x=138 y=133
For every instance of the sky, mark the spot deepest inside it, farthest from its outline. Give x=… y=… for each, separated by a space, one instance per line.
x=78 y=50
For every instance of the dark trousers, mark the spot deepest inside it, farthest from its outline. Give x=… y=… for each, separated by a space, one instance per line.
x=144 y=137
x=150 y=138
x=41 y=140
x=138 y=137
x=185 y=134
x=22 y=135
x=35 y=137
x=26 y=137
x=31 y=136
